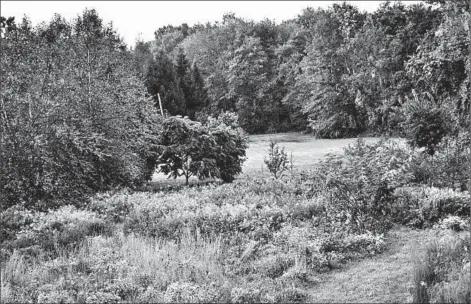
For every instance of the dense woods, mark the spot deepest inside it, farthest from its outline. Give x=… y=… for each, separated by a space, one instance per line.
x=337 y=72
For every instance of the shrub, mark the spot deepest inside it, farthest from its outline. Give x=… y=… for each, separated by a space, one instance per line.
x=454 y=223
x=66 y=227
x=113 y=208
x=191 y=149
x=74 y=140
x=426 y=124
x=360 y=183
x=449 y=166
x=423 y=206
x=277 y=160
x=184 y=292
x=245 y=295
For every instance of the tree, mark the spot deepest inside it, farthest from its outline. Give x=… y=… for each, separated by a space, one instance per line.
x=277 y=160
x=246 y=77
x=231 y=142
x=186 y=150
x=320 y=88
x=189 y=148
x=200 y=100
x=74 y=116
x=162 y=79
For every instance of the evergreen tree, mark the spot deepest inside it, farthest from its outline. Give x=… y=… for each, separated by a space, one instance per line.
x=163 y=79
x=200 y=97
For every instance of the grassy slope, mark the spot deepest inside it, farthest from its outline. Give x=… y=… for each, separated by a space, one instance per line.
x=385 y=278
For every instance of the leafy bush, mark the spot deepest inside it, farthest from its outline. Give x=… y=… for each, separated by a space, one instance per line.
x=114 y=208
x=360 y=182
x=449 y=166
x=67 y=131
x=426 y=124
x=455 y=223
x=423 y=206
x=277 y=161
x=191 y=149
x=64 y=228
x=231 y=142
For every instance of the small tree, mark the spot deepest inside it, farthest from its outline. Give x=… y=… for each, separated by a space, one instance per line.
x=277 y=161
x=189 y=148
x=186 y=150
x=231 y=144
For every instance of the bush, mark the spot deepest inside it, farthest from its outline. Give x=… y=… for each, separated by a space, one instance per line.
x=454 y=223
x=191 y=149
x=360 y=183
x=449 y=166
x=82 y=135
x=64 y=228
x=277 y=161
x=423 y=206
x=426 y=124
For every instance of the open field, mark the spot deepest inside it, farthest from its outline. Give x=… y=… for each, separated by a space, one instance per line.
x=306 y=149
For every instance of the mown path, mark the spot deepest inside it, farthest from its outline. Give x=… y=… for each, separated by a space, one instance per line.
x=385 y=278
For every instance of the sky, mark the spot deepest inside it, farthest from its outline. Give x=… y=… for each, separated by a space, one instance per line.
x=134 y=19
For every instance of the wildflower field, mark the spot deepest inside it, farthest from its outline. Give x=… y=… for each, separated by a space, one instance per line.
x=258 y=239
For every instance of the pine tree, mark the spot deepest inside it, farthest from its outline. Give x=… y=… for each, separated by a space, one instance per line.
x=201 y=100
x=162 y=79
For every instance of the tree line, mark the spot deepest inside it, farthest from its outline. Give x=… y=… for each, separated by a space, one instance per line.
x=336 y=72
x=79 y=110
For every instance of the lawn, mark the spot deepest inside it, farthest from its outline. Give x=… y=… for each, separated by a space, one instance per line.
x=306 y=150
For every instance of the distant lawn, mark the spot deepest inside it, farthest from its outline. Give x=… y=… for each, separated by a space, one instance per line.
x=306 y=149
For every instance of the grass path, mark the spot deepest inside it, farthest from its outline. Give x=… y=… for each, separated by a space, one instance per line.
x=385 y=278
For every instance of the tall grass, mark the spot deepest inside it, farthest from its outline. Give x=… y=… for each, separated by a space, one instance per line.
x=118 y=268
x=441 y=274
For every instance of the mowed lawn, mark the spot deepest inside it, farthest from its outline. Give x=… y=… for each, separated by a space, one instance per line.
x=306 y=149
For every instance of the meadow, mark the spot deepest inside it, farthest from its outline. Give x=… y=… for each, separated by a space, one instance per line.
x=258 y=239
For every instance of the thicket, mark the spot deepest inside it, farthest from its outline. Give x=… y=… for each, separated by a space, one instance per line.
x=76 y=119
x=257 y=239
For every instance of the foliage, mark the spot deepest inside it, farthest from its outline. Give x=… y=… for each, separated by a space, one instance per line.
x=214 y=150
x=337 y=71
x=426 y=124
x=455 y=223
x=187 y=149
x=277 y=161
x=361 y=182
x=74 y=116
x=48 y=233
x=448 y=167
x=423 y=206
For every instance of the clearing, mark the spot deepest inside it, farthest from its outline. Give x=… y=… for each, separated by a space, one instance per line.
x=306 y=149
